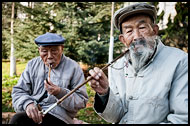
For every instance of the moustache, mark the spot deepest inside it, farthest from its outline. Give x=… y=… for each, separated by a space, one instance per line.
x=137 y=43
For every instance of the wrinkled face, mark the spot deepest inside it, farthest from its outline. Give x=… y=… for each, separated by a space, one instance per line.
x=137 y=27
x=51 y=54
x=138 y=34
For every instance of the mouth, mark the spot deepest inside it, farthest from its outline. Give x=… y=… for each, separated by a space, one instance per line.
x=138 y=48
x=50 y=64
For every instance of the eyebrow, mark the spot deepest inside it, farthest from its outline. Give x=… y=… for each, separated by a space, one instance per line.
x=127 y=26
x=139 y=22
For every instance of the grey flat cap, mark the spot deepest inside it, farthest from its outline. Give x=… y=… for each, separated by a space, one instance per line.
x=49 y=39
x=122 y=13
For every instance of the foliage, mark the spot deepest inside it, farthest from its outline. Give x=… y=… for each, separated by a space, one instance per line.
x=7 y=84
x=79 y=22
x=176 y=33
x=90 y=52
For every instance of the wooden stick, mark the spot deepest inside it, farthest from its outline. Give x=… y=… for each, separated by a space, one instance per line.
x=39 y=107
x=72 y=91
x=49 y=71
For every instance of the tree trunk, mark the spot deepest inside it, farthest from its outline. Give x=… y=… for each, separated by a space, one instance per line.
x=12 y=57
x=111 y=46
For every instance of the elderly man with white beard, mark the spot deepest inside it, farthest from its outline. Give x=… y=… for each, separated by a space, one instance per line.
x=149 y=85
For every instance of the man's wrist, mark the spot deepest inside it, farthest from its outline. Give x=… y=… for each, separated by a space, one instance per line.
x=104 y=94
x=25 y=105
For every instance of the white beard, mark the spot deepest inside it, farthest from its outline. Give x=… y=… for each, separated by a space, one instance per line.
x=141 y=51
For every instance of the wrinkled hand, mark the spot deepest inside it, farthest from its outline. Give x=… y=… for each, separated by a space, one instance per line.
x=99 y=82
x=33 y=113
x=52 y=88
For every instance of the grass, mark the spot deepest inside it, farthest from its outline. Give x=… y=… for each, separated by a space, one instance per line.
x=87 y=114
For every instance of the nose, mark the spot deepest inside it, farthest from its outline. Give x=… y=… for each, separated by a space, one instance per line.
x=137 y=35
x=50 y=55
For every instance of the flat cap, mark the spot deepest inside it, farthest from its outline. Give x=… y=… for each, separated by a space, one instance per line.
x=49 y=39
x=122 y=13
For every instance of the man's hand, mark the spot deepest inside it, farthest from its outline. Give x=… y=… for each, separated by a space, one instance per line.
x=33 y=113
x=51 y=88
x=99 y=82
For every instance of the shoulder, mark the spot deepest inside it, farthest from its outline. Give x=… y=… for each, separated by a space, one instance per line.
x=70 y=62
x=34 y=61
x=176 y=54
x=171 y=58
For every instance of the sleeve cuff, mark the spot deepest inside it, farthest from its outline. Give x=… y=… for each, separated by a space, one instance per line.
x=61 y=93
x=101 y=102
x=27 y=103
x=103 y=98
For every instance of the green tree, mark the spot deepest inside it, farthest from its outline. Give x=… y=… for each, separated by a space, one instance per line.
x=78 y=22
x=81 y=23
x=6 y=23
x=176 y=33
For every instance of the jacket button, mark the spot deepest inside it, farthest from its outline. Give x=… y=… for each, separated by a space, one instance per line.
x=135 y=74
x=131 y=97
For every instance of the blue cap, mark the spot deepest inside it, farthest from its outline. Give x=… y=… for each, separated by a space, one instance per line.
x=49 y=39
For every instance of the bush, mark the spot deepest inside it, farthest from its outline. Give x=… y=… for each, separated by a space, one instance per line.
x=7 y=85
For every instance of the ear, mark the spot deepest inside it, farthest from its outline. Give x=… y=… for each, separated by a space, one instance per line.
x=39 y=48
x=122 y=39
x=62 y=47
x=156 y=29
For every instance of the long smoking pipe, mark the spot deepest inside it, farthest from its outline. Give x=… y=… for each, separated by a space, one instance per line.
x=72 y=91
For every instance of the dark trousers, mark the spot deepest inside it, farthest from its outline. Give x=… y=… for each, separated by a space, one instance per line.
x=21 y=118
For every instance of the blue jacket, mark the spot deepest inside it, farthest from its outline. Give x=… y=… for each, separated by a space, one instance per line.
x=67 y=75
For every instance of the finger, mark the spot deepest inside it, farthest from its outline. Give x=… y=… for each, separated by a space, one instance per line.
x=46 y=86
x=40 y=117
x=49 y=88
x=90 y=83
x=97 y=70
x=49 y=82
x=94 y=74
x=103 y=75
x=93 y=86
x=94 y=83
x=28 y=114
x=37 y=115
x=46 y=82
x=97 y=84
x=33 y=114
x=88 y=77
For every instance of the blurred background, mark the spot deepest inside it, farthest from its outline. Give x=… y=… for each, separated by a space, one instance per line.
x=86 y=27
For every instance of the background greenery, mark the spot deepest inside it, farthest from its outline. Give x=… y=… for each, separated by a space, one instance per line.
x=80 y=23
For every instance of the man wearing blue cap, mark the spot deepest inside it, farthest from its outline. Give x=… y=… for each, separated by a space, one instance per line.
x=149 y=85
x=36 y=87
